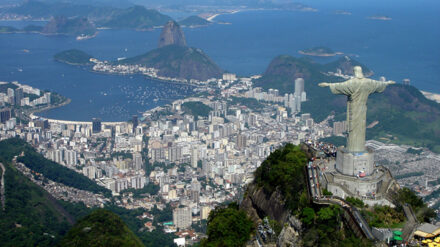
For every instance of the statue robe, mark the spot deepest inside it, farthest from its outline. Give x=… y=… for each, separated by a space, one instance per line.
x=357 y=91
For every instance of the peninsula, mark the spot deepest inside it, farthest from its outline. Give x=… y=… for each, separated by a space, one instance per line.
x=73 y=57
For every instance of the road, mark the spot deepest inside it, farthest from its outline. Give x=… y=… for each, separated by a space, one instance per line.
x=2 y=188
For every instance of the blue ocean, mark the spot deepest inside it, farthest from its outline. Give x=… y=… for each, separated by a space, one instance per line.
x=407 y=46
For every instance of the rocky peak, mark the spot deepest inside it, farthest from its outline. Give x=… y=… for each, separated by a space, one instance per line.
x=172 y=34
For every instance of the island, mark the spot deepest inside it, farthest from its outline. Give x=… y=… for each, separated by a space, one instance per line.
x=319 y=52
x=380 y=18
x=73 y=57
x=194 y=21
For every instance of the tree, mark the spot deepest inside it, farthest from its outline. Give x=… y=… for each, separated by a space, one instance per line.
x=308 y=215
x=228 y=226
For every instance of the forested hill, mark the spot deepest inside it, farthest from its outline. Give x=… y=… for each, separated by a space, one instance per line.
x=51 y=170
x=178 y=62
x=100 y=228
x=402 y=113
x=32 y=217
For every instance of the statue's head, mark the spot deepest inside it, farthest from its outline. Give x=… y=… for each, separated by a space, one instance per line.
x=358 y=72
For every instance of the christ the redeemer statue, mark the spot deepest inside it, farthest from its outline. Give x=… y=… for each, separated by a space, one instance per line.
x=357 y=90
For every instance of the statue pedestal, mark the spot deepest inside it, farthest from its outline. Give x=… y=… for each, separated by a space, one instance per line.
x=354 y=164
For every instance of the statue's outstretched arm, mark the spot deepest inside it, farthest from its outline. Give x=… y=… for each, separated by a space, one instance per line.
x=324 y=84
x=390 y=82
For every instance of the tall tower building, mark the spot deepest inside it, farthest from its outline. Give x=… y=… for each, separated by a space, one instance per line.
x=135 y=122
x=18 y=96
x=299 y=86
x=137 y=161
x=194 y=157
x=96 y=125
x=5 y=115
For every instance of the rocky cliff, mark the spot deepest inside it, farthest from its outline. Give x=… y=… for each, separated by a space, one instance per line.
x=172 y=34
x=258 y=204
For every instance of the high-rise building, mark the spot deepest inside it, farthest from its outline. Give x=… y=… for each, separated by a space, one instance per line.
x=5 y=115
x=42 y=123
x=241 y=141
x=137 y=161
x=11 y=95
x=18 y=96
x=299 y=86
x=194 y=157
x=182 y=217
x=70 y=157
x=96 y=125
x=135 y=122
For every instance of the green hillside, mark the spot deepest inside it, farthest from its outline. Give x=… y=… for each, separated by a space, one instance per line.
x=402 y=113
x=51 y=170
x=73 y=56
x=178 y=62
x=281 y=173
x=137 y=17
x=32 y=217
x=100 y=228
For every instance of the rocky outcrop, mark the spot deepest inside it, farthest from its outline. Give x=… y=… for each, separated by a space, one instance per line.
x=290 y=235
x=172 y=34
x=258 y=204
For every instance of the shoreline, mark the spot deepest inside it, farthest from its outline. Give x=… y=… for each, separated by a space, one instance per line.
x=431 y=96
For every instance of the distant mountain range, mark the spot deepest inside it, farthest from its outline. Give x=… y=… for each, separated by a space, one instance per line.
x=402 y=113
x=57 y=25
x=135 y=17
